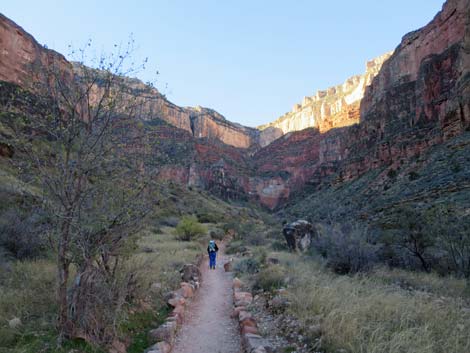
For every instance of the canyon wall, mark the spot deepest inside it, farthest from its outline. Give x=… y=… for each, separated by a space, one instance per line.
x=21 y=55
x=419 y=98
x=334 y=107
x=404 y=104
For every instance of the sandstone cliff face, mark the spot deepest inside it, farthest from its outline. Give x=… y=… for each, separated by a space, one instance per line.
x=21 y=53
x=334 y=107
x=419 y=98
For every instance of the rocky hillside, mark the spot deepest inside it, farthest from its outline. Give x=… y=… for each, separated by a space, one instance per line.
x=334 y=107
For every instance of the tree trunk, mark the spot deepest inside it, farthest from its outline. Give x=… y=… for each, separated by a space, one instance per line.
x=63 y=267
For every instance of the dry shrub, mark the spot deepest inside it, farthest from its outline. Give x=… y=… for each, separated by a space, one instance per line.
x=346 y=248
x=23 y=235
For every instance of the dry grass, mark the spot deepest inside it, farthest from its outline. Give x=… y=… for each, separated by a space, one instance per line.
x=27 y=292
x=160 y=257
x=365 y=314
x=27 y=289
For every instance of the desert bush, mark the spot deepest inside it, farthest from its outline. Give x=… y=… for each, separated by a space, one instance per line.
x=189 y=228
x=24 y=236
x=250 y=265
x=346 y=248
x=451 y=230
x=279 y=245
x=170 y=221
x=209 y=217
x=270 y=278
x=406 y=234
x=216 y=234
x=235 y=247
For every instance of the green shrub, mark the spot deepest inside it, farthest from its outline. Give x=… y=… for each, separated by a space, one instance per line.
x=235 y=247
x=270 y=278
x=413 y=175
x=279 y=245
x=207 y=217
x=249 y=265
x=189 y=228
x=392 y=173
x=217 y=234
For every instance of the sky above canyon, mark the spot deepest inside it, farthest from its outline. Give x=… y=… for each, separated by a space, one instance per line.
x=249 y=60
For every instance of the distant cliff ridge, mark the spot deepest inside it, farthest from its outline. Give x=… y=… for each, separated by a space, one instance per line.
x=20 y=51
x=336 y=106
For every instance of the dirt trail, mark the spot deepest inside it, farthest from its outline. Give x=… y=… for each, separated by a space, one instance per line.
x=208 y=327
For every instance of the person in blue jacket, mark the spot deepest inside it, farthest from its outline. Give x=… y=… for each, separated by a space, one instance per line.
x=212 y=251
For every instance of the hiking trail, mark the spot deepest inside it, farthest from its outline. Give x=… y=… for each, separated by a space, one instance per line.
x=208 y=326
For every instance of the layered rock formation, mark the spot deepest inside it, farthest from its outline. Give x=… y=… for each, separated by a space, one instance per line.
x=334 y=107
x=408 y=101
x=419 y=98
x=21 y=54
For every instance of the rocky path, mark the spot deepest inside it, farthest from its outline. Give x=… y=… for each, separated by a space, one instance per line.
x=208 y=326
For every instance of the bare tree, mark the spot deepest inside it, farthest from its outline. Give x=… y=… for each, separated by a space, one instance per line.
x=451 y=228
x=77 y=135
x=407 y=230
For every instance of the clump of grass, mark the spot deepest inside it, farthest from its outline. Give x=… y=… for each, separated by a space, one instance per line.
x=270 y=278
x=27 y=292
x=362 y=314
x=448 y=286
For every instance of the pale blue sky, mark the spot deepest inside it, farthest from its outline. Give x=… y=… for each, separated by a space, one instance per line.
x=250 y=60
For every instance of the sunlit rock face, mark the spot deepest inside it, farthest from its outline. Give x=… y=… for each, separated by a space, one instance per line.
x=420 y=97
x=334 y=107
x=19 y=51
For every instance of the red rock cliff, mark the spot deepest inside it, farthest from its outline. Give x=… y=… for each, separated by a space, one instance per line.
x=419 y=98
x=20 y=53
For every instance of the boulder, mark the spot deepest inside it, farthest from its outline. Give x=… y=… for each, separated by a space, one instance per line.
x=228 y=266
x=236 y=311
x=237 y=283
x=165 y=332
x=156 y=287
x=299 y=235
x=242 y=315
x=176 y=300
x=252 y=341
x=278 y=304
x=249 y=329
x=190 y=272
x=160 y=347
x=272 y=261
x=249 y=321
x=242 y=298
x=14 y=323
x=117 y=346
x=187 y=290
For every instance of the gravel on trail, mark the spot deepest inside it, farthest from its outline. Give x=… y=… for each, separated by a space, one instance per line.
x=208 y=327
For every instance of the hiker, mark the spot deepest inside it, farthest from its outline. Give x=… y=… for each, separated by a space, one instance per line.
x=212 y=251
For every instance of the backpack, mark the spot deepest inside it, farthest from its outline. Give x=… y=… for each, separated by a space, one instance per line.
x=211 y=247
